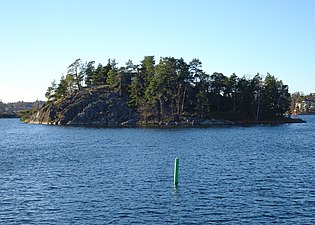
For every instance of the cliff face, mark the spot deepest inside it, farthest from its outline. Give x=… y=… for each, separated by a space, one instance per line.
x=92 y=106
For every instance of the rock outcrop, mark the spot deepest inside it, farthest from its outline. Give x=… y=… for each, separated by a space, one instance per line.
x=96 y=106
x=102 y=107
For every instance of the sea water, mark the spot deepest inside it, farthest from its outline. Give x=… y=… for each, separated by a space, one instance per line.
x=227 y=175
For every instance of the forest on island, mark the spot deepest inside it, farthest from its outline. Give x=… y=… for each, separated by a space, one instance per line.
x=173 y=87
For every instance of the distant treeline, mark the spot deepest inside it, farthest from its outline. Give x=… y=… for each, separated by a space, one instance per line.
x=9 y=110
x=173 y=87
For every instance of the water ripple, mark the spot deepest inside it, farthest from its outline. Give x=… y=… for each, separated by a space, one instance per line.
x=236 y=175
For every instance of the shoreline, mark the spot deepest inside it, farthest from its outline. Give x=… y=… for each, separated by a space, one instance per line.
x=213 y=123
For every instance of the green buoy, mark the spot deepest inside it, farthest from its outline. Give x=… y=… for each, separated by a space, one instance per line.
x=176 y=164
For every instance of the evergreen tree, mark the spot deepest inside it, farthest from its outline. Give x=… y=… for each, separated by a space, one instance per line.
x=217 y=87
x=140 y=95
x=195 y=68
x=76 y=70
x=257 y=91
x=61 y=90
x=101 y=73
x=183 y=79
x=66 y=86
x=276 y=96
x=231 y=92
x=51 y=91
x=89 y=73
x=244 y=97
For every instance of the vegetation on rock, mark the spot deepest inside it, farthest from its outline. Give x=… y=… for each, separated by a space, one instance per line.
x=171 y=88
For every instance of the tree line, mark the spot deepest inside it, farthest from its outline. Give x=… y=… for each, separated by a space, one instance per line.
x=172 y=87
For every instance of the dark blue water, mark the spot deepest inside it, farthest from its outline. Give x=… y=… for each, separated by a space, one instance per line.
x=235 y=175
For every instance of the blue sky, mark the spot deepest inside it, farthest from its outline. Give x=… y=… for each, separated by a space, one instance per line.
x=39 y=39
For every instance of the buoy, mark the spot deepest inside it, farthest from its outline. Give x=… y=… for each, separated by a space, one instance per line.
x=176 y=164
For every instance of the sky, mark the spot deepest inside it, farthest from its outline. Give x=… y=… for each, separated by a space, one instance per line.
x=39 y=39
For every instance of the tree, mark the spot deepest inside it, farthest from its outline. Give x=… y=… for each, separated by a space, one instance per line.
x=126 y=74
x=135 y=92
x=196 y=85
x=51 y=91
x=284 y=99
x=168 y=87
x=195 y=70
x=244 y=97
x=163 y=86
x=61 y=90
x=112 y=78
x=65 y=87
x=130 y=68
x=147 y=69
x=140 y=95
x=119 y=79
x=217 y=88
x=231 y=90
x=112 y=75
x=202 y=98
x=89 y=73
x=276 y=96
x=270 y=95
x=202 y=106
x=183 y=79
x=76 y=69
x=101 y=74
x=257 y=89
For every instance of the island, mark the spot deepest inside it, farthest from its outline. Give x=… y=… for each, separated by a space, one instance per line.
x=170 y=93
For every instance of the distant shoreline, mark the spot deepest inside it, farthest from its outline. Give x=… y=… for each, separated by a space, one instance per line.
x=8 y=116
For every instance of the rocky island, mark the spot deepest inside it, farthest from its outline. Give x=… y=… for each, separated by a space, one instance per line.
x=172 y=93
x=101 y=107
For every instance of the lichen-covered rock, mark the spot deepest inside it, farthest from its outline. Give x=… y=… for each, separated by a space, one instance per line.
x=96 y=106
